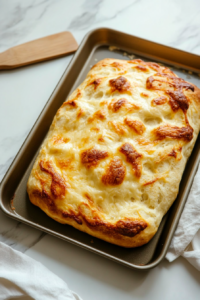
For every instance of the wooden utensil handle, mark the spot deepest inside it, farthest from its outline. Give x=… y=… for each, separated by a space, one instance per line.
x=49 y=47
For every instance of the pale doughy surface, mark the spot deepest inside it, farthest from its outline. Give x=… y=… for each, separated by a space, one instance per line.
x=114 y=156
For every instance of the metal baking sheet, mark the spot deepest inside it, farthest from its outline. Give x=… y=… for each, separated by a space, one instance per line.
x=13 y=197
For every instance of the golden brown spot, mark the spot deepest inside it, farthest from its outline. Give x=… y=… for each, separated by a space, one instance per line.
x=52 y=206
x=92 y=157
x=161 y=69
x=178 y=100
x=120 y=84
x=117 y=104
x=146 y=144
x=89 y=198
x=173 y=86
x=59 y=140
x=95 y=129
x=115 y=172
x=72 y=103
x=161 y=81
x=130 y=227
x=102 y=103
x=96 y=82
x=132 y=157
x=46 y=199
x=58 y=185
x=84 y=141
x=159 y=101
x=142 y=68
x=144 y=95
x=135 y=125
x=173 y=153
x=174 y=132
x=131 y=106
x=154 y=66
x=72 y=215
x=135 y=61
x=64 y=163
x=41 y=194
x=80 y=113
x=150 y=182
x=98 y=115
x=176 y=153
x=42 y=180
x=101 y=139
x=117 y=127
x=116 y=65
x=149 y=82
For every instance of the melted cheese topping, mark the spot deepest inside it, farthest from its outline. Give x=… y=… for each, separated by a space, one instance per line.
x=113 y=159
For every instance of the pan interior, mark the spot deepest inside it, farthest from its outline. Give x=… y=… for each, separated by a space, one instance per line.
x=27 y=212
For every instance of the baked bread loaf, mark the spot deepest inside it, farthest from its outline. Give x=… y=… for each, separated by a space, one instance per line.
x=115 y=153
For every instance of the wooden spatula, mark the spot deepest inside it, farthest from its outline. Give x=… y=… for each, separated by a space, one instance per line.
x=49 y=47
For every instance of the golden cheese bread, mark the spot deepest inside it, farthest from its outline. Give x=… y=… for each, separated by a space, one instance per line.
x=115 y=153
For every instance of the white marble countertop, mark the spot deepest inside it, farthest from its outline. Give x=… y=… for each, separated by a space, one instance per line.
x=24 y=92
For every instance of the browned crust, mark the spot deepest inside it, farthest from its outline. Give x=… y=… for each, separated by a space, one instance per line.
x=91 y=157
x=120 y=84
x=142 y=68
x=150 y=182
x=117 y=104
x=89 y=198
x=172 y=86
x=59 y=140
x=115 y=173
x=87 y=219
x=101 y=138
x=132 y=157
x=154 y=66
x=144 y=95
x=118 y=127
x=64 y=163
x=58 y=185
x=159 y=101
x=173 y=153
x=178 y=100
x=98 y=115
x=96 y=83
x=80 y=113
x=174 y=132
x=95 y=129
x=73 y=102
x=161 y=80
x=117 y=65
x=135 y=125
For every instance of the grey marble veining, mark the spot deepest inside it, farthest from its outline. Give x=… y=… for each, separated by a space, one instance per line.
x=18 y=18
x=92 y=13
x=24 y=92
x=17 y=235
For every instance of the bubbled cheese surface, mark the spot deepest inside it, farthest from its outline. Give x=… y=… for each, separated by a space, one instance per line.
x=115 y=153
